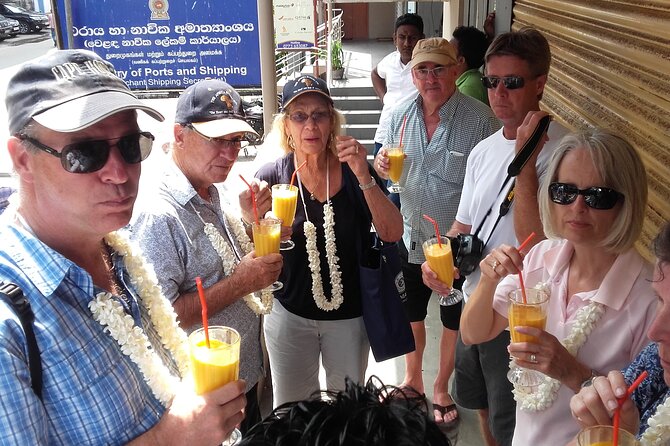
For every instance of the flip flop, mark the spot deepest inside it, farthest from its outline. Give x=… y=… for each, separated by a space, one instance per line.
x=444 y=410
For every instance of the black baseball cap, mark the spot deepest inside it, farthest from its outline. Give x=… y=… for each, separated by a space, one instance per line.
x=213 y=108
x=67 y=91
x=304 y=84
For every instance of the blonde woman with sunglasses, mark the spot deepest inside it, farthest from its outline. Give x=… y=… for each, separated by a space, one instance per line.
x=592 y=202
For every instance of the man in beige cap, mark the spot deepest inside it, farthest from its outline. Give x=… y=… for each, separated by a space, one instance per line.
x=441 y=128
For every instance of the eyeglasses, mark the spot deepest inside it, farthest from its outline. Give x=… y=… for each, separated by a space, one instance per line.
x=228 y=144
x=595 y=197
x=438 y=72
x=510 y=82
x=318 y=117
x=91 y=156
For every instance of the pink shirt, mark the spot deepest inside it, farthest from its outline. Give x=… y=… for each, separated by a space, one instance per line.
x=617 y=338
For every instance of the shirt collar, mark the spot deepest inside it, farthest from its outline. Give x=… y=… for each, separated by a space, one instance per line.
x=618 y=281
x=180 y=188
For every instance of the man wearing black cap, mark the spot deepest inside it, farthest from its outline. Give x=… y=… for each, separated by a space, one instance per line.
x=111 y=355
x=188 y=231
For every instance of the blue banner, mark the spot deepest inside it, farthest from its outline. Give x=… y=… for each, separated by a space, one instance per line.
x=162 y=45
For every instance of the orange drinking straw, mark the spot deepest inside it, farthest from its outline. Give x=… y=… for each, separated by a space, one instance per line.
x=203 y=305
x=402 y=132
x=620 y=401
x=523 y=288
x=437 y=230
x=253 y=199
x=295 y=172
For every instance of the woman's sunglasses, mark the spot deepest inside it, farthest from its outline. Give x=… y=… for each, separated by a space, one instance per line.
x=595 y=197
x=90 y=156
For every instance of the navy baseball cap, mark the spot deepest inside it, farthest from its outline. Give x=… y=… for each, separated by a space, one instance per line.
x=67 y=91
x=304 y=84
x=213 y=108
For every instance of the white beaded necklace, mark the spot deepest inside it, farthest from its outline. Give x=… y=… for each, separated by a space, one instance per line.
x=314 y=256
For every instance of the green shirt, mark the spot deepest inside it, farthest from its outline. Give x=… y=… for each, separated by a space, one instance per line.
x=470 y=84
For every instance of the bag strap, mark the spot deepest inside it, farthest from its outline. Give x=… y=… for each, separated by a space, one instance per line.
x=14 y=296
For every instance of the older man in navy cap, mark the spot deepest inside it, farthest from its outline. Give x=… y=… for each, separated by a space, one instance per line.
x=188 y=231
x=100 y=359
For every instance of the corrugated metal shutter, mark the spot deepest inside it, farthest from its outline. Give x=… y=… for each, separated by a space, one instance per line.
x=611 y=68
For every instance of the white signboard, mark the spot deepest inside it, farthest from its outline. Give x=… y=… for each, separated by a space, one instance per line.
x=295 y=24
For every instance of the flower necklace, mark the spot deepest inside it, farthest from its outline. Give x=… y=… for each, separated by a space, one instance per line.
x=262 y=305
x=133 y=341
x=546 y=393
x=314 y=256
x=659 y=426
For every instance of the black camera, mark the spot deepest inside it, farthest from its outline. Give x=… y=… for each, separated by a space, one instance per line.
x=468 y=252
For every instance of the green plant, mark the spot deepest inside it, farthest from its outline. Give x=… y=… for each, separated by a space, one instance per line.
x=336 y=55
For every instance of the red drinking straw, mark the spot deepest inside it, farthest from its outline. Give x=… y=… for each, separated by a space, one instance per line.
x=203 y=305
x=402 y=132
x=437 y=230
x=620 y=401
x=294 y=174
x=523 y=288
x=253 y=199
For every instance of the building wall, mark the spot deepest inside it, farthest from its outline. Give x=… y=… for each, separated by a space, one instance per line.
x=611 y=68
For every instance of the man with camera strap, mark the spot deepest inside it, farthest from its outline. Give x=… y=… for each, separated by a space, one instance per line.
x=517 y=66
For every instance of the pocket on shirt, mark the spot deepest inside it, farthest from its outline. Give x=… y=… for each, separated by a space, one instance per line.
x=452 y=170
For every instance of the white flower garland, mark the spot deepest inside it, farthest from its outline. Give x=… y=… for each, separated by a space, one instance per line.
x=545 y=394
x=658 y=432
x=314 y=256
x=262 y=305
x=133 y=340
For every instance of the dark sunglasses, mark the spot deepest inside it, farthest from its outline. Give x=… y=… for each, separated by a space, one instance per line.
x=90 y=156
x=510 y=82
x=317 y=117
x=595 y=197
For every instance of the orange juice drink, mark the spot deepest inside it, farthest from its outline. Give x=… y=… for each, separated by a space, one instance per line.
x=396 y=159
x=217 y=365
x=267 y=235
x=533 y=313
x=284 y=203
x=440 y=259
x=604 y=436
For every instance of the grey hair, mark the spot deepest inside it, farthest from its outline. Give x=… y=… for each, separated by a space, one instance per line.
x=620 y=168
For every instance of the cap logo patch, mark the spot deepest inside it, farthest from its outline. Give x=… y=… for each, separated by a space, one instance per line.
x=71 y=70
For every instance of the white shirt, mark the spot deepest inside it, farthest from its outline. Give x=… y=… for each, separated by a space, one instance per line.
x=484 y=175
x=399 y=89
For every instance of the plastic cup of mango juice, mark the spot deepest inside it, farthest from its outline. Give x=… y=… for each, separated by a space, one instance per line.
x=267 y=234
x=440 y=259
x=284 y=203
x=396 y=158
x=217 y=365
x=602 y=436
x=533 y=313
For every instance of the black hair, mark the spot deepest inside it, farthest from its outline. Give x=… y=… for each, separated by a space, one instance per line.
x=472 y=44
x=410 y=19
x=357 y=416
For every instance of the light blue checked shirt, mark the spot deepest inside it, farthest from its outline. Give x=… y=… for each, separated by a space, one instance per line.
x=92 y=393
x=436 y=168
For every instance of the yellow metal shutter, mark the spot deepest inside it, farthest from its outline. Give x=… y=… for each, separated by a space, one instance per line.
x=611 y=68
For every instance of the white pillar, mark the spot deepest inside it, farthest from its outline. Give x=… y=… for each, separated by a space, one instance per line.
x=268 y=69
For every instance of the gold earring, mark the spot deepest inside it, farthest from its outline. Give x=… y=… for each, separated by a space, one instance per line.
x=290 y=141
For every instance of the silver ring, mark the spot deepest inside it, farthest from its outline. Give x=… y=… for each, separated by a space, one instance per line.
x=356 y=150
x=533 y=358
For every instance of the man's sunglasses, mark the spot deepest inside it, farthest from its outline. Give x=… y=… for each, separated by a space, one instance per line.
x=595 y=197
x=90 y=156
x=228 y=144
x=510 y=82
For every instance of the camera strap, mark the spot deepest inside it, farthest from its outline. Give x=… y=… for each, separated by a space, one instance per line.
x=504 y=208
